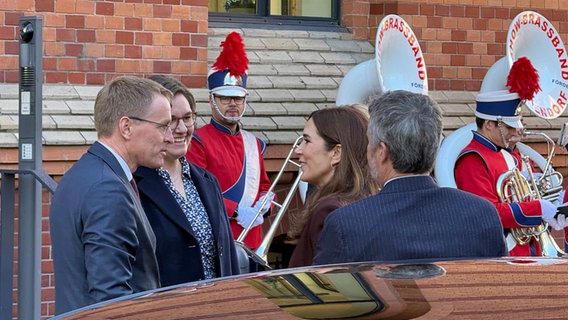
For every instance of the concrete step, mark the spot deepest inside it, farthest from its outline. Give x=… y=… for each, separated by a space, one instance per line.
x=67 y=113
x=291 y=74
x=296 y=59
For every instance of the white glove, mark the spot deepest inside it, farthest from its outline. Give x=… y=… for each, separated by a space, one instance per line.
x=562 y=222
x=246 y=214
x=548 y=211
x=558 y=201
x=269 y=197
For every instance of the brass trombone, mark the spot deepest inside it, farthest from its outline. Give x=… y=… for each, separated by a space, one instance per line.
x=260 y=254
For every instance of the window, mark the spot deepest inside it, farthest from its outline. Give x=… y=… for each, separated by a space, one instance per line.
x=276 y=12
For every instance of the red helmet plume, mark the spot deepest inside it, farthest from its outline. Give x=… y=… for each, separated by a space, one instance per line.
x=233 y=56
x=523 y=79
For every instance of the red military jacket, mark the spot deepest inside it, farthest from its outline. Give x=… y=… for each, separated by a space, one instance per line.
x=220 y=151
x=477 y=170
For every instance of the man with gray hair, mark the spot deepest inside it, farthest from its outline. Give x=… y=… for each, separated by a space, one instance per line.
x=411 y=217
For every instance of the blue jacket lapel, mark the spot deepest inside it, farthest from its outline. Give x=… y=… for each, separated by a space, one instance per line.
x=205 y=186
x=100 y=151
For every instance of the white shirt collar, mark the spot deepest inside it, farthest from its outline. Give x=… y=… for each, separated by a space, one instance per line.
x=121 y=161
x=401 y=177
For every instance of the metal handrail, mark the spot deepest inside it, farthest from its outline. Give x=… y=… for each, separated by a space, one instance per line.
x=7 y=207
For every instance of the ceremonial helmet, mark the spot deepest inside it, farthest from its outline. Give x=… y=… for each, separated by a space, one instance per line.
x=506 y=105
x=228 y=75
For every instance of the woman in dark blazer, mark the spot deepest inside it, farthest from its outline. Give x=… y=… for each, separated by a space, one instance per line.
x=184 y=205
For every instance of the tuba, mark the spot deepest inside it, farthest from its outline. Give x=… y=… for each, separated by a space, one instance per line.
x=531 y=35
x=398 y=65
x=544 y=47
x=512 y=186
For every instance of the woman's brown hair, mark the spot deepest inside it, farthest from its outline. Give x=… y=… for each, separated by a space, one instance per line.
x=347 y=126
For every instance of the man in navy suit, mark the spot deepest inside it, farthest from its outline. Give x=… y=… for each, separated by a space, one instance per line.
x=103 y=245
x=411 y=217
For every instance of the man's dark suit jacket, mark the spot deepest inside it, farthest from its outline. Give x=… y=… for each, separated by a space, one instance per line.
x=412 y=218
x=177 y=249
x=103 y=246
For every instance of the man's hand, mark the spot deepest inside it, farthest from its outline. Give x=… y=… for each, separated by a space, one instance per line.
x=562 y=221
x=246 y=215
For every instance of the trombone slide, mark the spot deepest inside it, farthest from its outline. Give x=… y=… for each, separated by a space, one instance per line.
x=261 y=253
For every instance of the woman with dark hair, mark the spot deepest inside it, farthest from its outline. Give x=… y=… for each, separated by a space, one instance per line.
x=333 y=158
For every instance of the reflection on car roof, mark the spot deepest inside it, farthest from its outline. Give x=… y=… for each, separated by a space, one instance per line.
x=508 y=288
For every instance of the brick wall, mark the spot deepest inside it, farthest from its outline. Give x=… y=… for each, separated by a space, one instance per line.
x=89 y=42
x=460 y=40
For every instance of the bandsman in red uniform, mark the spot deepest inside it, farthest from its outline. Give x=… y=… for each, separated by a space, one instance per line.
x=232 y=154
x=487 y=157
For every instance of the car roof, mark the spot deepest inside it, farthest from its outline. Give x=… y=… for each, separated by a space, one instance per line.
x=504 y=288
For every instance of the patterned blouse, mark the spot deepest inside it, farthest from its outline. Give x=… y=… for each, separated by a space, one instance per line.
x=196 y=215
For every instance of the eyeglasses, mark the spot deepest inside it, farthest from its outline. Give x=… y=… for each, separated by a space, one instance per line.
x=226 y=100
x=161 y=126
x=188 y=121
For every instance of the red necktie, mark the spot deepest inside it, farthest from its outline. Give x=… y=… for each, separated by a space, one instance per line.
x=133 y=183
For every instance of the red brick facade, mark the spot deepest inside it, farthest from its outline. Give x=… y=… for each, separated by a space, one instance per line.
x=460 y=40
x=89 y=42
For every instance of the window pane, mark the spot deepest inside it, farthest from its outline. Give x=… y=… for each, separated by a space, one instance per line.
x=301 y=8
x=233 y=6
x=292 y=8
